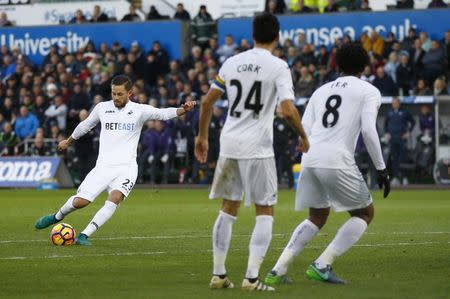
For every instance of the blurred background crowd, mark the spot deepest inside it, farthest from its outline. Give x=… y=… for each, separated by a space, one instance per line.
x=42 y=104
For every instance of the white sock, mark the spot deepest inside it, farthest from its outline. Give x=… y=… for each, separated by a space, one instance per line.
x=349 y=233
x=259 y=243
x=66 y=209
x=103 y=215
x=301 y=236
x=222 y=230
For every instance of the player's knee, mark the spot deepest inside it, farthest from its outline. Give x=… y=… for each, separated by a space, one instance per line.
x=264 y=210
x=79 y=203
x=318 y=221
x=116 y=197
x=230 y=207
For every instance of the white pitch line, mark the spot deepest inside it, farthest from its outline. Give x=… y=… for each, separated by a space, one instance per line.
x=144 y=253
x=209 y=236
x=56 y=256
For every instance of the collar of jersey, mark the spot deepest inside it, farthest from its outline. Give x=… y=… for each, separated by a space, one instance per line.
x=261 y=50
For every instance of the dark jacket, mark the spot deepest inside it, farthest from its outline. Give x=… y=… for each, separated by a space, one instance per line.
x=398 y=123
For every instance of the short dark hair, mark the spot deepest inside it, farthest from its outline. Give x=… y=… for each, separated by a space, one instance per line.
x=265 y=28
x=122 y=80
x=352 y=59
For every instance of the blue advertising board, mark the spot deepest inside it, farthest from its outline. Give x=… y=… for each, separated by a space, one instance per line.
x=323 y=29
x=36 y=41
x=26 y=172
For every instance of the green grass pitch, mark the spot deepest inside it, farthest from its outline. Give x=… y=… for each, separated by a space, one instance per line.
x=158 y=245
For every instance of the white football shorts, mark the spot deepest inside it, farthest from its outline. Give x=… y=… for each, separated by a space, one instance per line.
x=341 y=189
x=256 y=178
x=100 y=178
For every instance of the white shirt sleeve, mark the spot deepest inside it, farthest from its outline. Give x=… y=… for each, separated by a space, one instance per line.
x=87 y=124
x=150 y=112
x=369 y=128
x=284 y=85
x=53 y=111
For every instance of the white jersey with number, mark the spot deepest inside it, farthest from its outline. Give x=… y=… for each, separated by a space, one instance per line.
x=255 y=81
x=120 y=129
x=333 y=119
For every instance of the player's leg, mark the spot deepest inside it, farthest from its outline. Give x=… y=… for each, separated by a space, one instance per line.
x=222 y=232
x=119 y=188
x=104 y=214
x=226 y=184
x=262 y=191
x=310 y=194
x=349 y=193
x=259 y=244
x=94 y=183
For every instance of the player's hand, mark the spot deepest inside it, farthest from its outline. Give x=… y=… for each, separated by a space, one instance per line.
x=63 y=145
x=189 y=106
x=303 y=145
x=383 y=181
x=201 y=149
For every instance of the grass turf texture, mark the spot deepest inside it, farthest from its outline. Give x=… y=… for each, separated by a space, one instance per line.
x=158 y=243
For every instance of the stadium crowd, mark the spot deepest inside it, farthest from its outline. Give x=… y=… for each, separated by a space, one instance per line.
x=41 y=104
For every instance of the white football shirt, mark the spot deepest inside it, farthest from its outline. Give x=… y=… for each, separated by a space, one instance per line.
x=255 y=81
x=333 y=119
x=120 y=129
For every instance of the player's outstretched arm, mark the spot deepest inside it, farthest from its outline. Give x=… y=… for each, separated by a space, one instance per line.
x=201 y=142
x=294 y=120
x=82 y=128
x=372 y=142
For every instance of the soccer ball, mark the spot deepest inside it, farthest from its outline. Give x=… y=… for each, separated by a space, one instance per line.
x=62 y=234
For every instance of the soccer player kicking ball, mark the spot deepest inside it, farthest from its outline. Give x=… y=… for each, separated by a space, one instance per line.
x=336 y=114
x=253 y=80
x=116 y=169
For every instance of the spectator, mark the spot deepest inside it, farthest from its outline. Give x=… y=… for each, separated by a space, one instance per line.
x=159 y=151
x=78 y=101
x=26 y=124
x=78 y=17
x=39 y=148
x=384 y=83
x=390 y=68
x=422 y=88
x=161 y=57
x=304 y=87
x=408 y=42
x=417 y=53
x=275 y=6
x=434 y=62
x=398 y=125
x=98 y=16
x=440 y=88
x=8 y=68
x=9 y=140
x=374 y=44
x=405 y=74
x=332 y=6
x=154 y=14
x=402 y=4
x=446 y=44
x=227 y=50
x=425 y=40
x=4 y=22
x=203 y=27
x=84 y=148
x=181 y=13
x=388 y=44
x=437 y=4
x=132 y=16
x=426 y=120
x=300 y=7
x=367 y=74
x=365 y=6
x=57 y=113
x=8 y=110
